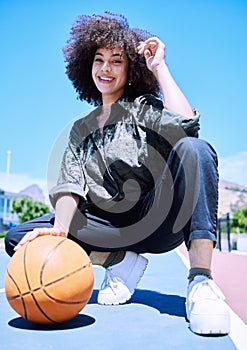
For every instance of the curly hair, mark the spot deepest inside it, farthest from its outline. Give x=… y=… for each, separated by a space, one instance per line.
x=106 y=31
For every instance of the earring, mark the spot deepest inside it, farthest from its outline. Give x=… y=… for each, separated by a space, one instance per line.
x=130 y=83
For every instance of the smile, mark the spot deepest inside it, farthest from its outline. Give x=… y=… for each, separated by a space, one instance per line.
x=106 y=79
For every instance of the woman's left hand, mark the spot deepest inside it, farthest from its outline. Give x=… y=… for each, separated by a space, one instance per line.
x=153 y=50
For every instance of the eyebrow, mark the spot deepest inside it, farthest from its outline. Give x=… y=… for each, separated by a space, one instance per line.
x=113 y=55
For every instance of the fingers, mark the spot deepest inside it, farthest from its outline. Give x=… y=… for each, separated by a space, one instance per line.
x=149 y=47
x=142 y=47
x=31 y=235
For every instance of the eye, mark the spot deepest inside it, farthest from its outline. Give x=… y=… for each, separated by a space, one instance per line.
x=117 y=61
x=97 y=59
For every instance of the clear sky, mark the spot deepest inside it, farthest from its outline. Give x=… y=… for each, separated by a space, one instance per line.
x=206 y=52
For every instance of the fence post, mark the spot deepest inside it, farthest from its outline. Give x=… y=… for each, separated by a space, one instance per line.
x=219 y=233
x=228 y=231
x=226 y=220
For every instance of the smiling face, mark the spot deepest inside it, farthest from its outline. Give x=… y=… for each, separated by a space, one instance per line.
x=109 y=72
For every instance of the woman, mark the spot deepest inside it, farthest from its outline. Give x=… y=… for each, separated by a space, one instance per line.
x=134 y=178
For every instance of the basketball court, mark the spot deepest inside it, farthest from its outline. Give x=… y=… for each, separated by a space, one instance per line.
x=153 y=319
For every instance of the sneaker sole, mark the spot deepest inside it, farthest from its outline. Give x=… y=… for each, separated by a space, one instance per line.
x=215 y=325
x=113 y=303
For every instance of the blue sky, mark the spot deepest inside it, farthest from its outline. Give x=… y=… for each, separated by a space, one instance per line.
x=206 y=52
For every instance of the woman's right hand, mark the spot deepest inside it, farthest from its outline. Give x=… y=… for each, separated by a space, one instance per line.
x=42 y=231
x=66 y=206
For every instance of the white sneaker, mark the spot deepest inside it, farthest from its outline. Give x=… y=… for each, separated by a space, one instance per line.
x=121 y=279
x=205 y=307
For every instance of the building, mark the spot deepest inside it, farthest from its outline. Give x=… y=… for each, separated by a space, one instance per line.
x=6 y=198
x=6 y=217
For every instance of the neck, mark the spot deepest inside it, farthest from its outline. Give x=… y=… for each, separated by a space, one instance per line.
x=110 y=99
x=106 y=108
x=102 y=117
x=104 y=114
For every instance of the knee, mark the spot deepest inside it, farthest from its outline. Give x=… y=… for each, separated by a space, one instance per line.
x=10 y=241
x=201 y=148
x=16 y=234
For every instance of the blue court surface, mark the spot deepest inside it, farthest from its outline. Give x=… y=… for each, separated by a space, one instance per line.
x=153 y=319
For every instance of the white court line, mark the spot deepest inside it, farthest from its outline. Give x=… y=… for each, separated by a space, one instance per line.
x=238 y=332
x=2 y=290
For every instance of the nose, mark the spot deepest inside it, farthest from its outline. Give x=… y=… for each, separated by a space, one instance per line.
x=106 y=67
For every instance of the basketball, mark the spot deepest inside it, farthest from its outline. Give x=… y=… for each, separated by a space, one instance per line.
x=49 y=280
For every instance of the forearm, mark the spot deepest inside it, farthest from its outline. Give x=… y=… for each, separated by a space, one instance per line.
x=66 y=206
x=65 y=209
x=175 y=100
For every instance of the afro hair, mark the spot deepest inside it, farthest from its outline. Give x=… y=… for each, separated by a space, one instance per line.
x=106 y=31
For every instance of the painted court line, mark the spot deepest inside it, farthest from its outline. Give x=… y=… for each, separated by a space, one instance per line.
x=2 y=290
x=238 y=332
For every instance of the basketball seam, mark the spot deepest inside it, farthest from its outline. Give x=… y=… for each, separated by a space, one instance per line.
x=31 y=291
x=61 y=278
x=20 y=294
x=42 y=286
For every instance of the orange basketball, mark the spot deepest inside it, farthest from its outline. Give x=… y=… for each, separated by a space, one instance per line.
x=49 y=280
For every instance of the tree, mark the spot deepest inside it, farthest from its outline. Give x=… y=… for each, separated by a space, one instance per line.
x=240 y=219
x=27 y=209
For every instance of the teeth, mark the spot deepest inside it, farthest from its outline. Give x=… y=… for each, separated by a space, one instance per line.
x=106 y=79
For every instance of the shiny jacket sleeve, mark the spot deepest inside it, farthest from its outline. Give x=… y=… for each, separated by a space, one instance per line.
x=168 y=124
x=71 y=176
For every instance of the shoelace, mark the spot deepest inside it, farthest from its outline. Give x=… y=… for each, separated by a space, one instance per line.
x=110 y=281
x=210 y=283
